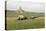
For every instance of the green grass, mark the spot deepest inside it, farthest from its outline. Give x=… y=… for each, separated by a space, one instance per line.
x=13 y=23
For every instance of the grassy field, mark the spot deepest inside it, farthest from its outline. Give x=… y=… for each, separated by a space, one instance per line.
x=13 y=23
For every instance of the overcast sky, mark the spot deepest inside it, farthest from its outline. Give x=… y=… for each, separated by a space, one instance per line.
x=31 y=6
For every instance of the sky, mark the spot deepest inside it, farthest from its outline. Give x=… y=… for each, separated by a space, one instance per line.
x=27 y=5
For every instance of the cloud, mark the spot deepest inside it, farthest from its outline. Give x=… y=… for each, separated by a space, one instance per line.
x=26 y=5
